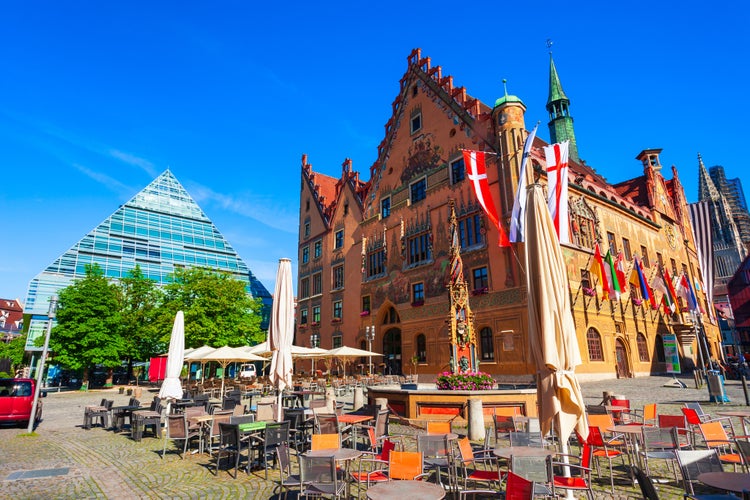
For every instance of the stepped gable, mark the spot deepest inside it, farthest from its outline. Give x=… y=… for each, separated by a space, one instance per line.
x=323 y=188
x=470 y=112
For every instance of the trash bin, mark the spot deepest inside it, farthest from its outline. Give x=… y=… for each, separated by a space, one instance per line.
x=716 y=392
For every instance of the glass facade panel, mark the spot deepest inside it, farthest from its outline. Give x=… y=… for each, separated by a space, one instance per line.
x=160 y=228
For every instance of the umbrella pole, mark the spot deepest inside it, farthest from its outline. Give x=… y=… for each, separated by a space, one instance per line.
x=565 y=450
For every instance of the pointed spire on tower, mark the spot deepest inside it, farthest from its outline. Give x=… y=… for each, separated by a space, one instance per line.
x=706 y=187
x=558 y=105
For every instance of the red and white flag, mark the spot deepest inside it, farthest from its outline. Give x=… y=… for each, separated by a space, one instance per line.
x=557 y=187
x=477 y=174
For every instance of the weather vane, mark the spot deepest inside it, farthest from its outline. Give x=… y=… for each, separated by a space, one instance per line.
x=549 y=44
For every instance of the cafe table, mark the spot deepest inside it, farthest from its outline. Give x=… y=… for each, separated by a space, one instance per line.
x=736 y=482
x=632 y=433
x=409 y=489
x=743 y=415
x=354 y=421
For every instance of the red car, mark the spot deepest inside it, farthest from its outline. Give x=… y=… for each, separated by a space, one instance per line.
x=16 y=400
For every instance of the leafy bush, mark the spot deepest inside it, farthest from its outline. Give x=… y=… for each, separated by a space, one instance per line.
x=469 y=381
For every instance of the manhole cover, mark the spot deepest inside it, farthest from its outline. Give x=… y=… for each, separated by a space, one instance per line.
x=33 y=474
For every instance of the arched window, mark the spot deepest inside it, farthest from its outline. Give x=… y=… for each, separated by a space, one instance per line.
x=391 y=317
x=486 y=345
x=594 y=341
x=659 y=349
x=421 y=348
x=642 y=347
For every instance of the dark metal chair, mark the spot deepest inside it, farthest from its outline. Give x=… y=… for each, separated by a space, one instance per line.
x=229 y=445
x=178 y=430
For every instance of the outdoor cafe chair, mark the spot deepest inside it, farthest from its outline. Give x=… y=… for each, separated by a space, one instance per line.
x=372 y=466
x=695 y=462
x=526 y=439
x=273 y=435
x=319 y=476
x=601 y=448
x=715 y=437
x=660 y=443
x=287 y=479
x=572 y=472
x=328 y=423
x=329 y=441
x=648 y=490
x=680 y=424
x=100 y=412
x=229 y=445
x=178 y=430
x=212 y=430
x=440 y=427
x=437 y=454
x=477 y=467
x=536 y=469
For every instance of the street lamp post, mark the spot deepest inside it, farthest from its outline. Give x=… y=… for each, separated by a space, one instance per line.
x=370 y=336
x=40 y=368
x=314 y=339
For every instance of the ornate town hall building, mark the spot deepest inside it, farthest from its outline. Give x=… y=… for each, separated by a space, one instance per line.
x=374 y=255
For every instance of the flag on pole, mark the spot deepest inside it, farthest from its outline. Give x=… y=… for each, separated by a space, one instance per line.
x=519 y=204
x=620 y=271
x=659 y=283
x=701 y=222
x=597 y=268
x=477 y=174
x=685 y=289
x=609 y=269
x=638 y=281
x=652 y=295
x=557 y=187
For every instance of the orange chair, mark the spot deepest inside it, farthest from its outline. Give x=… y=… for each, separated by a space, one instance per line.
x=716 y=438
x=604 y=422
x=649 y=416
x=579 y=478
x=325 y=442
x=438 y=427
x=372 y=466
x=482 y=468
x=406 y=465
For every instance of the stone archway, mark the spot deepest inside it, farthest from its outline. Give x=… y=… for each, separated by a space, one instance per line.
x=622 y=361
x=392 y=351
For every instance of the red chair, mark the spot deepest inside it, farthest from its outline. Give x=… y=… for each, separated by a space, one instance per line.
x=679 y=423
x=602 y=448
x=579 y=478
x=518 y=488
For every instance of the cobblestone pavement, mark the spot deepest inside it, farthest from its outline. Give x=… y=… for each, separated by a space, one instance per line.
x=99 y=463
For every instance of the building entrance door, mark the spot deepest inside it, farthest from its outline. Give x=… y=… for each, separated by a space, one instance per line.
x=621 y=356
x=392 y=352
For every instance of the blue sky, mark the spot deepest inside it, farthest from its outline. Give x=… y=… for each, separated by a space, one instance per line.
x=97 y=98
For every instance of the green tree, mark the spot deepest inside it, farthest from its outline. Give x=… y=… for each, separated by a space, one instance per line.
x=14 y=351
x=141 y=299
x=218 y=310
x=88 y=324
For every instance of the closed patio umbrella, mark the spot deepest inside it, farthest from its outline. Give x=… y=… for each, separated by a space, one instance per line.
x=281 y=330
x=172 y=387
x=552 y=334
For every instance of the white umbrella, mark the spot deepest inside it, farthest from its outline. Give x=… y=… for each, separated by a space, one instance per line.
x=172 y=387
x=346 y=354
x=552 y=334
x=196 y=353
x=281 y=330
x=225 y=355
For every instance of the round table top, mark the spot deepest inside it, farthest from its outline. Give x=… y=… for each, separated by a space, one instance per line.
x=734 y=413
x=522 y=451
x=627 y=429
x=337 y=453
x=414 y=490
x=729 y=481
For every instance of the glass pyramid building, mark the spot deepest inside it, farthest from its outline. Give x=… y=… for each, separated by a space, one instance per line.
x=160 y=229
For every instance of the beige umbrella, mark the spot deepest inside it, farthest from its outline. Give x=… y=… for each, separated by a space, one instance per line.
x=263 y=349
x=196 y=353
x=346 y=354
x=281 y=330
x=552 y=333
x=225 y=355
